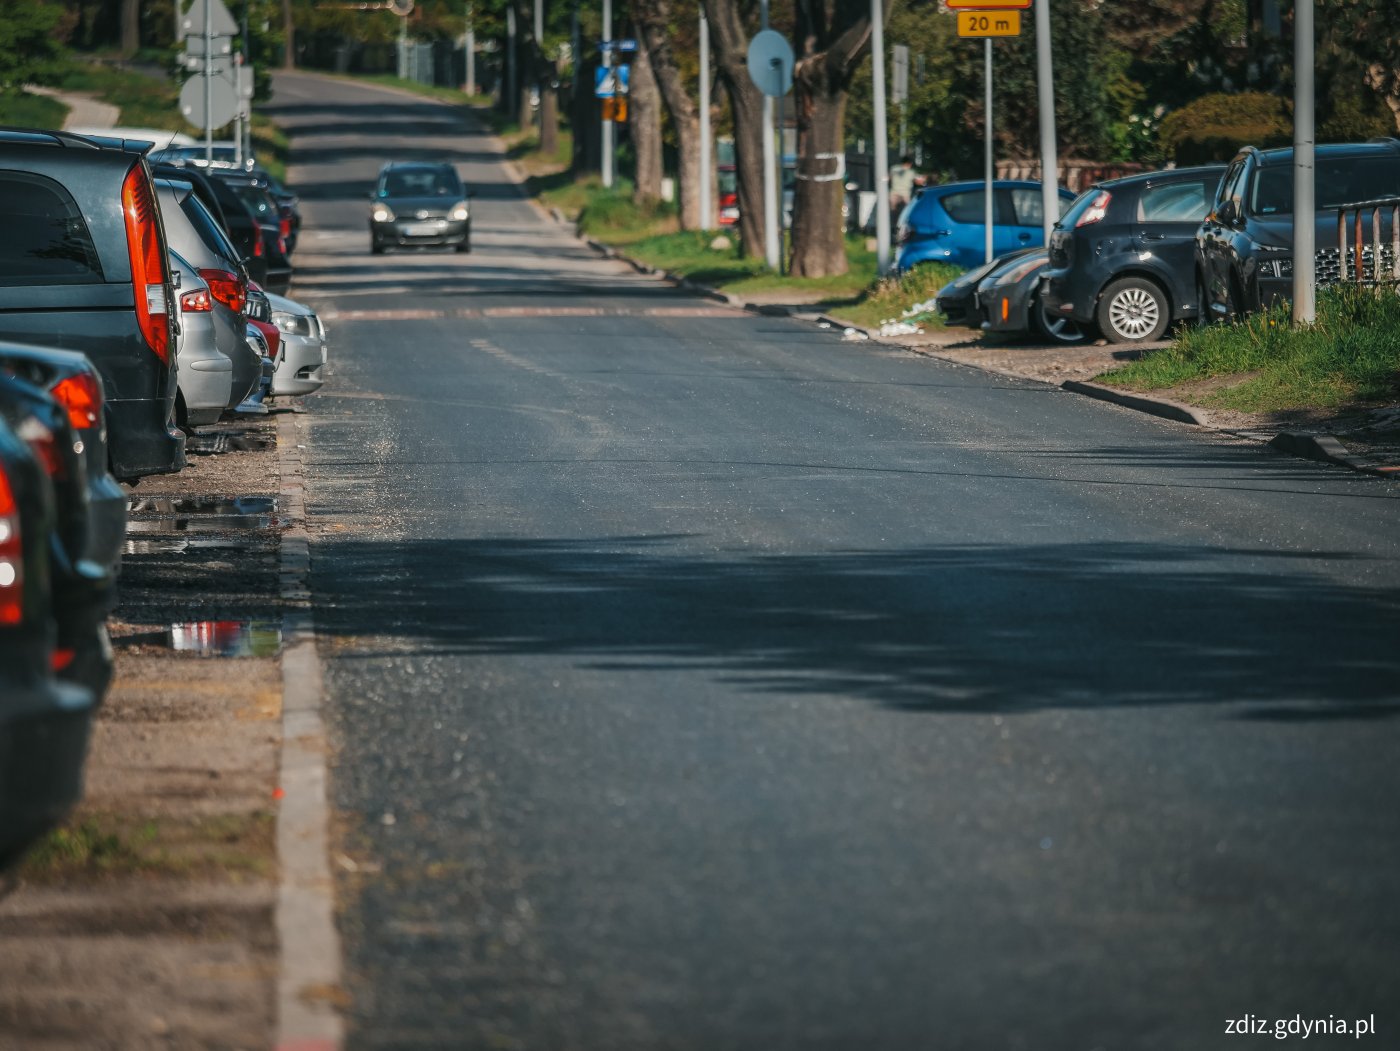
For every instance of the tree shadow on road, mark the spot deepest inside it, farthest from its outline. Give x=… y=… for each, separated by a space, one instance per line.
x=963 y=628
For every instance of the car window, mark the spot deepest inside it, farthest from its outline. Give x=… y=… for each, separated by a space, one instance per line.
x=1340 y=181
x=257 y=202
x=1230 y=185
x=1175 y=203
x=965 y=207
x=1079 y=206
x=46 y=240
x=208 y=230
x=1030 y=208
x=421 y=182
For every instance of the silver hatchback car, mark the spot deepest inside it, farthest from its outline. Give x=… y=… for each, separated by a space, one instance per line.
x=420 y=203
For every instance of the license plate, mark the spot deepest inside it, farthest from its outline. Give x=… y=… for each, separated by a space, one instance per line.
x=420 y=229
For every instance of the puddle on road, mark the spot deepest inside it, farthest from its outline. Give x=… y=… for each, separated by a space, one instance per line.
x=177 y=547
x=229 y=441
x=207 y=514
x=212 y=638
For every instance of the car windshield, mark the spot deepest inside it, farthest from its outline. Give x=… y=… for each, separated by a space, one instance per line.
x=1340 y=181
x=420 y=182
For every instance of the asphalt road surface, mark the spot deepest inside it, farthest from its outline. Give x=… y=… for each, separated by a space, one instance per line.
x=702 y=681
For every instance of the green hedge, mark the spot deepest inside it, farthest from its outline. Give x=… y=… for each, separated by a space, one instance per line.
x=1214 y=127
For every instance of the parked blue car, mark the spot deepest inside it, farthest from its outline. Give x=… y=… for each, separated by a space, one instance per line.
x=944 y=224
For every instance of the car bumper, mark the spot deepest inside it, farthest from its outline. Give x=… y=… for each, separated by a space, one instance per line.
x=1061 y=298
x=142 y=439
x=405 y=232
x=299 y=365
x=107 y=517
x=1003 y=311
x=206 y=384
x=43 y=745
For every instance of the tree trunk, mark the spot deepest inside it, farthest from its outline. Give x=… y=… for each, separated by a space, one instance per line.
x=131 y=27
x=644 y=119
x=549 y=112
x=818 y=235
x=289 y=37
x=654 y=17
x=730 y=40
x=832 y=37
x=1386 y=83
x=587 y=131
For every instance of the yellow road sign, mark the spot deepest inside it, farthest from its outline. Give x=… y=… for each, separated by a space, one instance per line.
x=989 y=23
x=987 y=5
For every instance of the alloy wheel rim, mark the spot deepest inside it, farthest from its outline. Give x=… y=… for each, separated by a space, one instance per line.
x=1061 y=329
x=1133 y=313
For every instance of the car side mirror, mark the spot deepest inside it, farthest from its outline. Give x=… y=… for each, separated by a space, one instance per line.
x=1225 y=214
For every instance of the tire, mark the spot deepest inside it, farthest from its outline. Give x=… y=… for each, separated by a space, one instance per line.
x=1133 y=310
x=464 y=247
x=375 y=248
x=1063 y=331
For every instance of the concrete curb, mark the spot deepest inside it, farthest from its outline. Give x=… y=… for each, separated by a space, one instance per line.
x=1167 y=410
x=309 y=974
x=1326 y=449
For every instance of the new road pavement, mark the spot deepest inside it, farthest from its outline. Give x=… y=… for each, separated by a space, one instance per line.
x=698 y=680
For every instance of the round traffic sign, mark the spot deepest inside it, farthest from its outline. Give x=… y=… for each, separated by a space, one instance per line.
x=223 y=103
x=403 y=8
x=770 y=62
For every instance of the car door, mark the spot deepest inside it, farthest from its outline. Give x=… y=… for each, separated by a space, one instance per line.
x=1169 y=212
x=1213 y=238
x=1020 y=219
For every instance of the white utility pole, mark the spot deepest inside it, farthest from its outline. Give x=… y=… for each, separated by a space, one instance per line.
x=208 y=86
x=882 y=137
x=1045 y=92
x=607 y=124
x=772 y=251
x=470 y=84
x=989 y=160
x=238 y=114
x=512 y=96
x=706 y=159
x=1304 y=186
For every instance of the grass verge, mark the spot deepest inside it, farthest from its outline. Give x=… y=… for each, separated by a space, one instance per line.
x=230 y=847
x=889 y=298
x=1349 y=358
x=31 y=111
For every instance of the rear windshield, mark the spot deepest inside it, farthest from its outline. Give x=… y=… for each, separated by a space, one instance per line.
x=45 y=239
x=1340 y=181
x=1079 y=207
x=257 y=201
x=208 y=230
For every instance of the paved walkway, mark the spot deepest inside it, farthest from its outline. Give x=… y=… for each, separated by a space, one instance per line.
x=84 y=111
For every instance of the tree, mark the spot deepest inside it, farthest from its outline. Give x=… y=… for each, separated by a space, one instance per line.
x=832 y=36
x=656 y=20
x=730 y=38
x=1370 y=31
x=31 y=48
x=644 y=122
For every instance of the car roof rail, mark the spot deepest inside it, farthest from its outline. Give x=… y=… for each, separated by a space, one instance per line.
x=68 y=138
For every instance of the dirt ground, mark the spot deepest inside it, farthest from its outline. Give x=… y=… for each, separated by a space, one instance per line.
x=147 y=922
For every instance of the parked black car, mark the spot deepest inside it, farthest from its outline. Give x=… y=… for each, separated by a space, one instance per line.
x=84 y=266
x=1008 y=302
x=957 y=300
x=84 y=592
x=267 y=214
x=1122 y=259
x=44 y=723
x=1244 y=248
x=227 y=210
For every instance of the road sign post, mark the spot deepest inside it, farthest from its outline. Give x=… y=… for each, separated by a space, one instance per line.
x=770 y=61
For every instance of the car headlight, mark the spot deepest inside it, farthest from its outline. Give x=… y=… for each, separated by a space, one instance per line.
x=382 y=214
x=459 y=213
x=1017 y=272
x=292 y=324
x=1274 y=260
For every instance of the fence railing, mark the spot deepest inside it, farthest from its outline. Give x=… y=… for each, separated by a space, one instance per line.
x=1364 y=261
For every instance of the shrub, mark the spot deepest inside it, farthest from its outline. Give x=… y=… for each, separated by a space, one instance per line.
x=1214 y=127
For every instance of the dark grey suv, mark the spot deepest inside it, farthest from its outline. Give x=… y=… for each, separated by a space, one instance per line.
x=1244 y=248
x=84 y=266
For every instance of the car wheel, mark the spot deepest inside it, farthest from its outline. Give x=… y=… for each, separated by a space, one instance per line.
x=1133 y=310
x=464 y=247
x=375 y=248
x=1062 y=330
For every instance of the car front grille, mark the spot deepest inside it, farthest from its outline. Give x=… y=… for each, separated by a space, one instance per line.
x=1329 y=265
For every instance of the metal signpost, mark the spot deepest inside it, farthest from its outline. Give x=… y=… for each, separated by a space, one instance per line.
x=607 y=154
x=1304 y=186
x=770 y=60
x=882 y=139
x=706 y=161
x=988 y=19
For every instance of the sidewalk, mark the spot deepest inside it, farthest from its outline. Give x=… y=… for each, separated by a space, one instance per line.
x=84 y=111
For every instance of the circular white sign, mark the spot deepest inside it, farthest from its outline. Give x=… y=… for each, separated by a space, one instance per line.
x=223 y=103
x=770 y=63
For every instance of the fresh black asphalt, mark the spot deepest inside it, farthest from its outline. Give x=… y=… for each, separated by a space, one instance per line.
x=702 y=681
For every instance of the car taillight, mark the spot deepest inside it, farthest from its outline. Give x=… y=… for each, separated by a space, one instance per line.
x=285 y=226
x=81 y=398
x=257 y=238
x=229 y=289
x=11 y=556
x=196 y=302
x=148 y=275
x=1097 y=209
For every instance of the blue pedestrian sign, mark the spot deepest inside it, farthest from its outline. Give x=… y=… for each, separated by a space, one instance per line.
x=610 y=82
x=630 y=44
